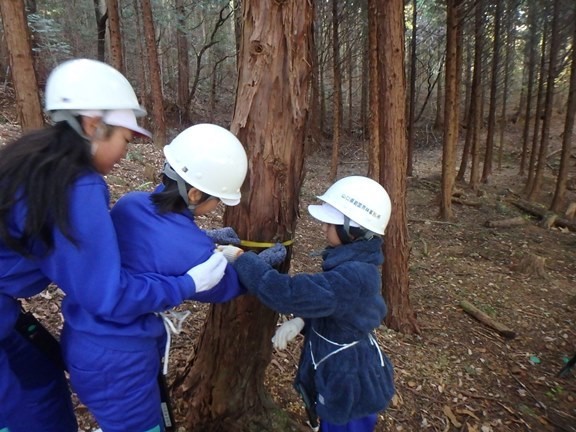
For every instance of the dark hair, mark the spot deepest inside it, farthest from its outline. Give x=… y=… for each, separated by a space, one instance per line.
x=169 y=199
x=38 y=169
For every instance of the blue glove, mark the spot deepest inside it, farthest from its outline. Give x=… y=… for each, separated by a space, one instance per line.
x=273 y=255
x=223 y=236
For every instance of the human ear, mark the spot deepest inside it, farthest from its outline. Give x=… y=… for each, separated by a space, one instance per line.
x=194 y=195
x=91 y=126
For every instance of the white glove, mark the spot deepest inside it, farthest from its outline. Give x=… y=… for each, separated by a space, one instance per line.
x=287 y=332
x=231 y=253
x=209 y=273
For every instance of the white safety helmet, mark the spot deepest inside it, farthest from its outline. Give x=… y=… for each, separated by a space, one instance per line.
x=84 y=84
x=211 y=159
x=360 y=199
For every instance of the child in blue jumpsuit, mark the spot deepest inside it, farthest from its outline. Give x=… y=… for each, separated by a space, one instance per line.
x=55 y=226
x=343 y=372
x=205 y=164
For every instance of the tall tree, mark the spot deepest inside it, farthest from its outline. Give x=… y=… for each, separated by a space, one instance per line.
x=488 y=155
x=24 y=79
x=159 y=121
x=183 y=63
x=374 y=118
x=269 y=118
x=548 y=102
x=412 y=92
x=393 y=161
x=101 y=18
x=560 y=190
x=530 y=66
x=115 y=34
x=451 y=107
x=337 y=98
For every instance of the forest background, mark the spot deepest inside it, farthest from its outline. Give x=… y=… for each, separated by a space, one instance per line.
x=462 y=109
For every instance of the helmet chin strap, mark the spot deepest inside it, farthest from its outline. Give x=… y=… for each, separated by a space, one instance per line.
x=71 y=118
x=171 y=174
x=346 y=237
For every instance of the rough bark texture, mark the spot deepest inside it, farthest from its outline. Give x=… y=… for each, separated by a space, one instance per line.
x=488 y=155
x=393 y=162
x=21 y=64
x=374 y=117
x=451 y=104
x=183 y=64
x=270 y=116
x=159 y=120
x=337 y=98
x=560 y=191
x=116 y=54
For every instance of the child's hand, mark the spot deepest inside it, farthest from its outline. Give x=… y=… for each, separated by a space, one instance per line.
x=287 y=332
x=273 y=255
x=231 y=253
x=224 y=236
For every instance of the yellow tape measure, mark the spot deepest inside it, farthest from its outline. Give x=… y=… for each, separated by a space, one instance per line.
x=263 y=245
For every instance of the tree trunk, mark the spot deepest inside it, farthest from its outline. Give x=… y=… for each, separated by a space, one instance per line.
x=531 y=65
x=510 y=40
x=548 y=103
x=537 y=111
x=560 y=191
x=374 y=97
x=269 y=118
x=159 y=121
x=183 y=64
x=24 y=79
x=393 y=161
x=474 y=108
x=101 y=18
x=116 y=55
x=337 y=99
x=451 y=104
x=488 y=155
x=412 y=91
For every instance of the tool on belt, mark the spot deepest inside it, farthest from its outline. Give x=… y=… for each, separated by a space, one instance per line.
x=166 y=404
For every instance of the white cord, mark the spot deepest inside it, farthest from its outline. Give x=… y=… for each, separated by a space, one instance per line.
x=173 y=321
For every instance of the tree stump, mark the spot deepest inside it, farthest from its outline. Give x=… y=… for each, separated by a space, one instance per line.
x=532 y=265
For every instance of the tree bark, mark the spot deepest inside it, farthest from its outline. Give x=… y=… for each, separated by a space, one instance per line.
x=159 y=121
x=488 y=155
x=451 y=104
x=337 y=98
x=116 y=54
x=101 y=18
x=552 y=66
x=183 y=64
x=269 y=118
x=562 y=179
x=393 y=162
x=24 y=79
x=374 y=117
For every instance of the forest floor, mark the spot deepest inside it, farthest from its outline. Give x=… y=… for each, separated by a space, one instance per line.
x=457 y=374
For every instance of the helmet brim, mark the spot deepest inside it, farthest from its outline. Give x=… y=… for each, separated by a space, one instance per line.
x=328 y=214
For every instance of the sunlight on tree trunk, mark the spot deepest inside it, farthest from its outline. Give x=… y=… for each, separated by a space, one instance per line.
x=223 y=385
